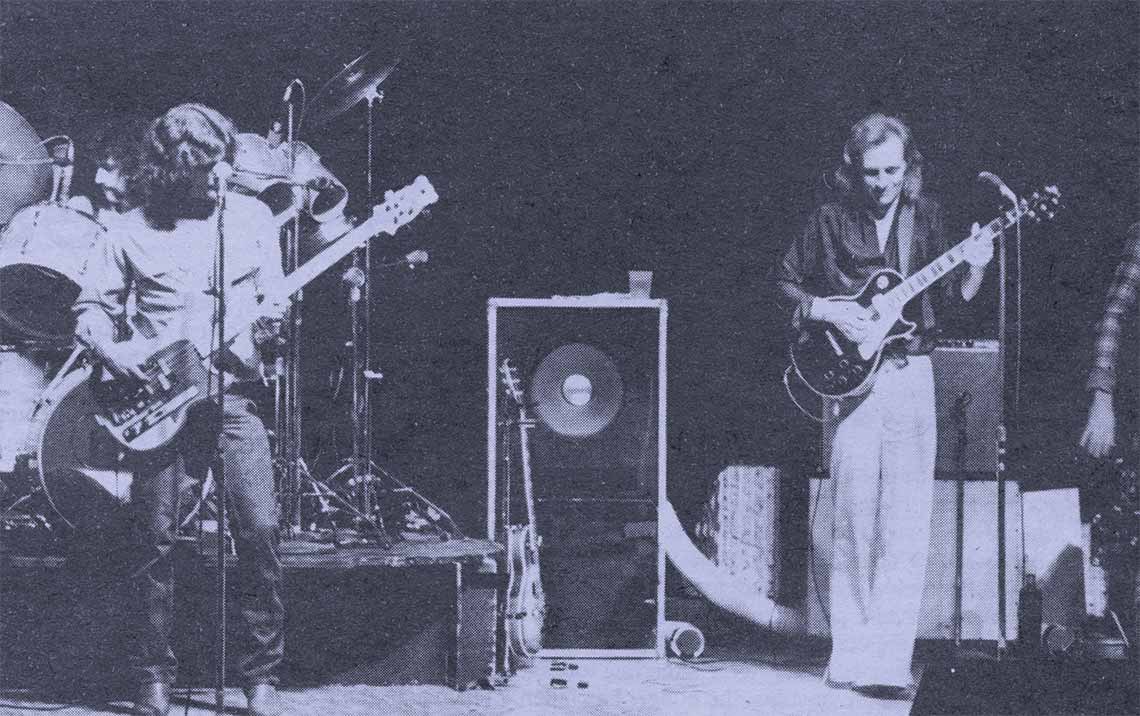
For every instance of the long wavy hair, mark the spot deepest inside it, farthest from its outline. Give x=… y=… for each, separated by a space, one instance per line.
x=178 y=151
x=871 y=131
x=117 y=143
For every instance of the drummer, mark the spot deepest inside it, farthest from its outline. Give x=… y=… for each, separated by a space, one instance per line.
x=115 y=152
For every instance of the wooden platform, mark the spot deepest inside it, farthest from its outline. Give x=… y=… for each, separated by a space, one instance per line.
x=417 y=613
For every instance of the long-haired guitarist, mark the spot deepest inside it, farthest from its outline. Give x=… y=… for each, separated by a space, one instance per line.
x=158 y=258
x=883 y=455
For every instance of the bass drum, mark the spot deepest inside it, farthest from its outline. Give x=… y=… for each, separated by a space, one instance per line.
x=79 y=464
x=23 y=378
x=44 y=252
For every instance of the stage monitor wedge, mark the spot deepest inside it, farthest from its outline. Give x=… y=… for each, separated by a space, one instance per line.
x=591 y=373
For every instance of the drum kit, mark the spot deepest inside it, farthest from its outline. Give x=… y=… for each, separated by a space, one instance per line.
x=49 y=444
x=54 y=457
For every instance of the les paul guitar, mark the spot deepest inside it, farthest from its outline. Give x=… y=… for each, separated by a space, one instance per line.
x=833 y=366
x=146 y=415
x=526 y=600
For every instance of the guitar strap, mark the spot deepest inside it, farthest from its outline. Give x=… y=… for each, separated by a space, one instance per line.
x=904 y=234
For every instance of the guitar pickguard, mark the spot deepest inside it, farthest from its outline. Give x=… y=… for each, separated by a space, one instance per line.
x=833 y=366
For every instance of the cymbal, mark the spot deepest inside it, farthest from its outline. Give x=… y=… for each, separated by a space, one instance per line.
x=576 y=390
x=357 y=81
x=25 y=166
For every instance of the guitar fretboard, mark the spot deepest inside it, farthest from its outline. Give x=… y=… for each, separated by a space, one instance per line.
x=923 y=279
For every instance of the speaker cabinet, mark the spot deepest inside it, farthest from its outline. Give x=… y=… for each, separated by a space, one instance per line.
x=968 y=402
x=968 y=406
x=592 y=377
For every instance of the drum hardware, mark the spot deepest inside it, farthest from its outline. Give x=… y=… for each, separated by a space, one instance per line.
x=62 y=150
x=291 y=176
x=359 y=80
x=43 y=262
x=66 y=459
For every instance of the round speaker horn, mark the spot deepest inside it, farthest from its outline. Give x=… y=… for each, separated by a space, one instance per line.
x=576 y=390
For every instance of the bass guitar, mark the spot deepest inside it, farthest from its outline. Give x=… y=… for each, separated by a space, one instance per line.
x=526 y=600
x=833 y=366
x=145 y=415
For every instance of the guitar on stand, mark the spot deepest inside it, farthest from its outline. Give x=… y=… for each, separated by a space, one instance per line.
x=526 y=601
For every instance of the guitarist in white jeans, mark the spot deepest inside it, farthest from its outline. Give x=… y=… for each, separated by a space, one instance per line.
x=151 y=278
x=883 y=455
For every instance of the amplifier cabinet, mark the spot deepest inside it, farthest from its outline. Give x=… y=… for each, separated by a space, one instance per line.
x=968 y=406
x=592 y=374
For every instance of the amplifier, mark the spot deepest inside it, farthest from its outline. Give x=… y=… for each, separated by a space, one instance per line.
x=966 y=392
x=968 y=405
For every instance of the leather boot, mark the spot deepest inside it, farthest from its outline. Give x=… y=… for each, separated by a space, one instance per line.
x=153 y=699
x=263 y=700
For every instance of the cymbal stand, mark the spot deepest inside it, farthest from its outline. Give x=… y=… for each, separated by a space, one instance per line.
x=359 y=278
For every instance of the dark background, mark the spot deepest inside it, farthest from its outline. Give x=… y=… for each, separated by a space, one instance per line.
x=571 y=142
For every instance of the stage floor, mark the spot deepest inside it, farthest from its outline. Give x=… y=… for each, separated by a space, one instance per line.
x=721 y=685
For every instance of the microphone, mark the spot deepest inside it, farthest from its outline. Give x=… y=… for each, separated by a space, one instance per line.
x=1000 y=185
x=221 y=173
x=288 y=97
x=417 y=257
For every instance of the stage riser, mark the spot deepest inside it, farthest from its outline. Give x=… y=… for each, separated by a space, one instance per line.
x=366 y=625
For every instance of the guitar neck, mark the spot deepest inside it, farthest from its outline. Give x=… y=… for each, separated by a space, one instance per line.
x=930 y=274
x=528 y=483
x=326 y=258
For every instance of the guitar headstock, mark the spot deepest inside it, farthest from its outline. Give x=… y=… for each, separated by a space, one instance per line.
x=403 y=205
x=1042 y=205
x=511 y=383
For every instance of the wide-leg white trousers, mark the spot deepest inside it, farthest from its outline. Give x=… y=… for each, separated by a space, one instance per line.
x=882 y=470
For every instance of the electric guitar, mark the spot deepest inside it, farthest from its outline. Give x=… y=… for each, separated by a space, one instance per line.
x=146 y=415
x=833 y=366
x=526 y=601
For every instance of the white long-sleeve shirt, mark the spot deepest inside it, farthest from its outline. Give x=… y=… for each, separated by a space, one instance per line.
x=165 y=278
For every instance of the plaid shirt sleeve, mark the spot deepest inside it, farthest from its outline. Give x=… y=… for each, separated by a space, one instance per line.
x=1121 y=300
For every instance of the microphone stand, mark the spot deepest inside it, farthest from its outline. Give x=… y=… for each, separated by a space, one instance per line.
x=963 y=439
x=1001 y=444
x=219 y=462
x=1001 y=436
x=289 y=410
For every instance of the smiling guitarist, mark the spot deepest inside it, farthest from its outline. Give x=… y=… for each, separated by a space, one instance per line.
x=883 y=455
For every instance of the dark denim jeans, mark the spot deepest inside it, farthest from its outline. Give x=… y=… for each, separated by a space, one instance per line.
x=253 y=521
